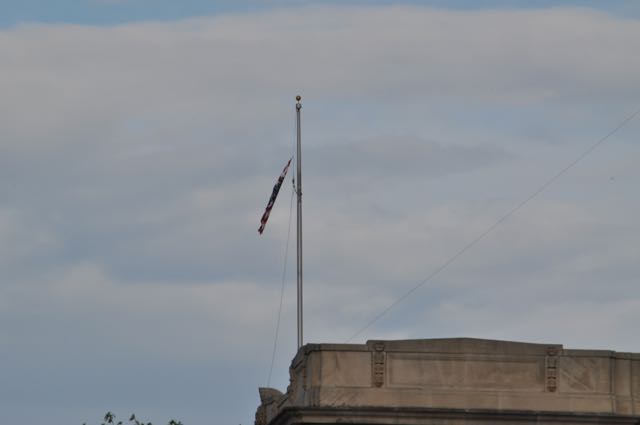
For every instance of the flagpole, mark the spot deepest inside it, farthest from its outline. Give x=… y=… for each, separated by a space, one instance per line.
x=299 y=215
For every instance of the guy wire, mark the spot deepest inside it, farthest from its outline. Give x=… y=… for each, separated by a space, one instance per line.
x=504 y=217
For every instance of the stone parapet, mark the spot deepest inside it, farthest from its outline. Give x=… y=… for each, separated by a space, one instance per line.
x=461 y=374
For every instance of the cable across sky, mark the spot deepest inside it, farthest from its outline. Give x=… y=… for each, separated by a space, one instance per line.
x=497 y=223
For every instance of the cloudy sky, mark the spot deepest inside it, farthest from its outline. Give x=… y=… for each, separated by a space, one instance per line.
x=140 y=140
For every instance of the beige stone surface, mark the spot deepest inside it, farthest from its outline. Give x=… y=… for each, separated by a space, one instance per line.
x=463 y=374
x=481 y=373
x=590 y=375
x=635 y=377
x=345 y=369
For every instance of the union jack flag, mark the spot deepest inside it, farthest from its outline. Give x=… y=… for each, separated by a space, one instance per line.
x=274 y=195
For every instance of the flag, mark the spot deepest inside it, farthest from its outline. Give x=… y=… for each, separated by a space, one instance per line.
x=274 y=195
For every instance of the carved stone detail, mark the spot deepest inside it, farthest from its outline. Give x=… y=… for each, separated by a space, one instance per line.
x=268 y=407
x=552 y=369
x=297 y=381
x=292 y=382
x=378 y=364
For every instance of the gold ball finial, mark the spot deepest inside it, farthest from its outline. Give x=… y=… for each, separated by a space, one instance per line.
x=298 y=98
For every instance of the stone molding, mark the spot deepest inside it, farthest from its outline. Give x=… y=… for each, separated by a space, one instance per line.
x=434 y=416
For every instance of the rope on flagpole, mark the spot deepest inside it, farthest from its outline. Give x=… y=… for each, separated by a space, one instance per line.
x=284 y=275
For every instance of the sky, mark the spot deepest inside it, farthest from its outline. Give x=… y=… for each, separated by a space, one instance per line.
x=140 y=141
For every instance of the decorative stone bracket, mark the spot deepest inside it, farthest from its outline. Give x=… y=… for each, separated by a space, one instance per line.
x=378 y=364
x=551 y=370
x=268 y=408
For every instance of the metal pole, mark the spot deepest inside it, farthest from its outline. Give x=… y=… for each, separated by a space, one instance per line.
x=299 y=226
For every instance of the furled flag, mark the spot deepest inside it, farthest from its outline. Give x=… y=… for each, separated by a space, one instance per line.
x=272 y=200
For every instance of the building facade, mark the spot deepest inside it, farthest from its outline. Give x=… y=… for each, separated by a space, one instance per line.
x=455 y=381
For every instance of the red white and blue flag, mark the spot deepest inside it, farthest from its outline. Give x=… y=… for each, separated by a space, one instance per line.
x=274 y=195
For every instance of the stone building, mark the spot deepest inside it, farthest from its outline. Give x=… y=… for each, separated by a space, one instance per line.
x=455 y=381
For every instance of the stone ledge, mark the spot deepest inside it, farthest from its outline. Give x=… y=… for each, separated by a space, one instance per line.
x=435 y=416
